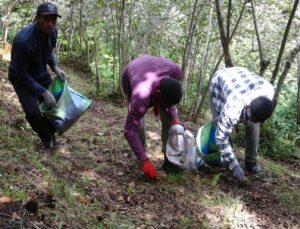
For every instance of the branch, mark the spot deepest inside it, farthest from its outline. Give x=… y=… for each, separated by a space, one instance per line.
x=228 y=21
x=238 y=21
x=286 y=32
x=228 y=60
x=263 y=61
x=286 y=69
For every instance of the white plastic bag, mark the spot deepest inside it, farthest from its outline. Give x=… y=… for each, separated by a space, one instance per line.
x=181 y=150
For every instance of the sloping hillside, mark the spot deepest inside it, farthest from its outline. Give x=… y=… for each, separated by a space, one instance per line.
x=93 y=181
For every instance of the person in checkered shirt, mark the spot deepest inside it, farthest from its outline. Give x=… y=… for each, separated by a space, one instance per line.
x=238 y=95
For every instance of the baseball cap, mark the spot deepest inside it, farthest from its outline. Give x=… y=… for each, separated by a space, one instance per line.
x=47 y=9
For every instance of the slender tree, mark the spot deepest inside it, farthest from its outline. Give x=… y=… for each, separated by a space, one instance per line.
x=298 y=89
x=264 y=62
x=187 y=46
x=97 y=66
x=284 y=73
x=284 y=40
x=224 y=42
x=121 y=39
x=5 y=18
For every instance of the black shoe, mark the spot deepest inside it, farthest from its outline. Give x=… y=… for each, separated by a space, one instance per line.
x=55 y=142
x=168 y=167
x=47 y=144
x=253 y=167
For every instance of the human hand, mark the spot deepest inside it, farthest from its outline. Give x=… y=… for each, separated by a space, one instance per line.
x=238 y=173
x=49 y=99
x=60 y=73
x=176 y=121
x=149 y=169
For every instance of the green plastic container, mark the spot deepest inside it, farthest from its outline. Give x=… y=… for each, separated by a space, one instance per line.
x=206 y=145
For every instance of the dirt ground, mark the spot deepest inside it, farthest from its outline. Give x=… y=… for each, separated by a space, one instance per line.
x=92 y=180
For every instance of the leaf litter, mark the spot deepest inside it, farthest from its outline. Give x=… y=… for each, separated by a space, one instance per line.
x=97 y=175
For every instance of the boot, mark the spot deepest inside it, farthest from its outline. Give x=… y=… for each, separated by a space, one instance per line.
x=47 y=144
x=253 y=167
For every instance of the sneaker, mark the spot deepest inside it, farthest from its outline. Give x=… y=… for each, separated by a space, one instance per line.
x=168 y=167
x=253 y=167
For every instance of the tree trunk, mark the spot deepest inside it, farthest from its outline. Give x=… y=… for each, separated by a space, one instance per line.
x=10 y=7
x=263 y=61
x=70 y=30
x=194 y=116
x=121 y=41
x=298 y=90
x=284 y=39
x=87 y=50
x=97 y=67
x=225 y=43
x=286 y=69
x=114 y=46
x=187 y=49
x=203 y=60
x=228 y=21
x=57 y=49
x=81 y=24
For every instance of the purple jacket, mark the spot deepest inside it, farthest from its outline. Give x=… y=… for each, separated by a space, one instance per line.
x=140 y=80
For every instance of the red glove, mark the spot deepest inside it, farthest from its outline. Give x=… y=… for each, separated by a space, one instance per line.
x=149 y=169
x=175 y=121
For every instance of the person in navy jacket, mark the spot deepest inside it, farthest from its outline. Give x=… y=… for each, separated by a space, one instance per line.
x=31 y=53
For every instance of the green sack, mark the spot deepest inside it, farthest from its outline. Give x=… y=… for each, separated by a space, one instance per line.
x=206 y=145
x=70 y=106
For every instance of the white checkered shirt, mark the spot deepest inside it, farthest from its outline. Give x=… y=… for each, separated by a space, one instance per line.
x=231 y=90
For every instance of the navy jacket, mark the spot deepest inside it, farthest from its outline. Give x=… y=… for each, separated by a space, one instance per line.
x=29 y=58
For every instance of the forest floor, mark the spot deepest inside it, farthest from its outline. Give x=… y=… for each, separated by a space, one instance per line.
x=93 y=180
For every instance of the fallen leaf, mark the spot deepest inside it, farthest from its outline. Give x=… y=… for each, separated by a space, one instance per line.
x=148 y=217
x=15 y=216
x=6 y=200
x=81 y=199
x=120 y=198
x=255 y=196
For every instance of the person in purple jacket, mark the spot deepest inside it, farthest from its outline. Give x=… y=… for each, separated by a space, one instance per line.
x=150 y=81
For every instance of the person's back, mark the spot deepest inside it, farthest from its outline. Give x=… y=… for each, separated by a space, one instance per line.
x=231 y=86
x=143 y=73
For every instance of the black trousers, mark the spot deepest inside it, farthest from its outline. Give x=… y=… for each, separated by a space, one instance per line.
x=30 y=104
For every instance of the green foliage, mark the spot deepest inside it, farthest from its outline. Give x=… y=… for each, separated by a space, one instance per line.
x=278 y=134
x=176 y=178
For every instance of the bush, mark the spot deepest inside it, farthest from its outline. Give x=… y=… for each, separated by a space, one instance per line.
x=278 y=134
